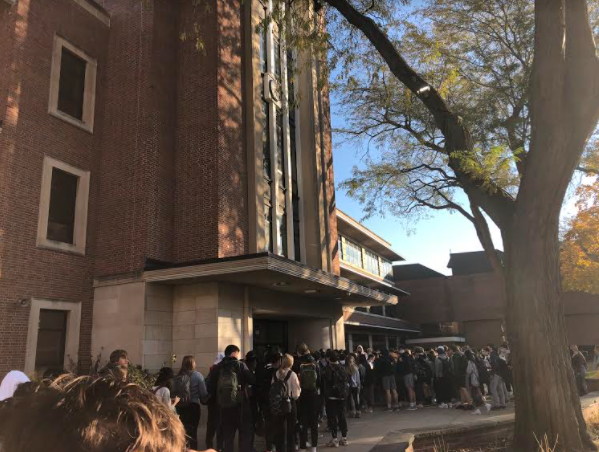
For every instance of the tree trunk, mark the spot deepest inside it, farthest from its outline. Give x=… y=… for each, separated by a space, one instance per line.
x=546 y=398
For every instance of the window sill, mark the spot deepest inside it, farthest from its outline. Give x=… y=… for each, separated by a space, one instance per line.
x=73 y=121
x=66 y=248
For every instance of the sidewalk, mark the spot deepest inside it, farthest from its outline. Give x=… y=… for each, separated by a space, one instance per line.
x=365 y=433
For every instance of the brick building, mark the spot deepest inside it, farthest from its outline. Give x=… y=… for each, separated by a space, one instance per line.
x=158 y=195
x=469 y=306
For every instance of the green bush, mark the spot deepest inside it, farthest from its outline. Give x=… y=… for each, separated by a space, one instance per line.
x=141 y=377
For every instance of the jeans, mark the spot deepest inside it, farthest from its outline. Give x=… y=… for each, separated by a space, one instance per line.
x=498 y=390
x=235 y=419
x=308 y=406
x=213 y=428
x=336 y=417
x=284 y=430
x=354 y=399
x=190 y=418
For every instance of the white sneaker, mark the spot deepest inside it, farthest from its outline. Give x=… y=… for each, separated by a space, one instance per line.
x=443 y=406
x=313 y=449
x=477 y=411
x=412 y=407
x=343 y=442
x=488 y=407
x=334 y=443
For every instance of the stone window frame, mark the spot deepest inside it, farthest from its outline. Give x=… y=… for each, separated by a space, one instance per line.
x=71 y=349
x=89 y=93
x=81 y=207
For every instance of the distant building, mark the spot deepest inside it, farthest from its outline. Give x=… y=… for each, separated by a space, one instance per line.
x=469 y=306
x=368 y=260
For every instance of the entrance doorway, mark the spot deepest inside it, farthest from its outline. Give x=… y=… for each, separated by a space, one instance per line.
x=270 y=335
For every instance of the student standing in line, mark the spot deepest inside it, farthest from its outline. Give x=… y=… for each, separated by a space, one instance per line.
x=284 y=392
x=308 y=404
x=337 y=391
x=189 y=386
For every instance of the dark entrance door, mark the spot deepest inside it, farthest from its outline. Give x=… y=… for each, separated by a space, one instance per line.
x=51 y=338
x=270 y=335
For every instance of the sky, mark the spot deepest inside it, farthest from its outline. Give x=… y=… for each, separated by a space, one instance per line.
x=426 y=241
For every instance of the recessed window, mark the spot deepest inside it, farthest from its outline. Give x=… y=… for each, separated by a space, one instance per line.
x=63 y=200
x=72 y=85
x=63 y=207
x=51 y=339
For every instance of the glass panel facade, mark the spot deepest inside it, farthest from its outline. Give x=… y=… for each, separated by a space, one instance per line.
x=386 y=270
x=371 y=262
x=353 y=253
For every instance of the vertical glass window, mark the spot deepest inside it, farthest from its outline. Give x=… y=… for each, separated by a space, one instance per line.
x=386 y=269
x=280 y=149
x=282 y=235
x=295 y=199
x=371 y=262
x=61 y=215
x=353 y=253
x=266 y=140
x=71 y=86
x=51 y=339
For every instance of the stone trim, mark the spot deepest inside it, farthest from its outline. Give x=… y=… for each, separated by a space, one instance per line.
x=71 y=349
x=89 y=93
x=81 y=203
x=95 y=11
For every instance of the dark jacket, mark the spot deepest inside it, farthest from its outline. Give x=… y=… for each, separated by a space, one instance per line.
x=404 y=364
x=244 y=376
x=384 y=367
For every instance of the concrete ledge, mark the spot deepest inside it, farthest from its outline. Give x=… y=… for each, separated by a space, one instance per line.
x=477 y=434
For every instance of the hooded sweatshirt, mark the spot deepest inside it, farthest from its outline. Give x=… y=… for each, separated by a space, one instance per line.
x=9 y=385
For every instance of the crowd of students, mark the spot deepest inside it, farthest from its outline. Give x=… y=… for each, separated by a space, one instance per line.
x=284 y=398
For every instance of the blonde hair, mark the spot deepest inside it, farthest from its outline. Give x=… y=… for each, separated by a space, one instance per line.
x=103 y=414
x=287 y=361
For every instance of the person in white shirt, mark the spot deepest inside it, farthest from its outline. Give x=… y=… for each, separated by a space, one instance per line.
x=162 y=388
x=10 y=382
x=284 y=423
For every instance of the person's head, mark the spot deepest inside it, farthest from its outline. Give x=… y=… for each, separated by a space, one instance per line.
x=232 y=351
x=350 y=360
x=490 y=346
x=188 y=364
x=401 y=350
x=302 y=349
x=574 y=348
x=418 y=351
x=333 y=356
x=165 y=377
x=453 y=349
x=441 y=350
x=371 y=358
x=469 y=355
x=119 y=357
x=359 y=349
x=385 y=353
x=102 y=415
x=287 y=362
x=274 y=359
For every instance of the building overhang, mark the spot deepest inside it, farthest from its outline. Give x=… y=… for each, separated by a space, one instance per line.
x=269 y=271
x=367 y=321
x=352 y=229
x=370 y=280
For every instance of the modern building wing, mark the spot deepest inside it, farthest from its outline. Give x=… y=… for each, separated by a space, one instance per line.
x=367 y=259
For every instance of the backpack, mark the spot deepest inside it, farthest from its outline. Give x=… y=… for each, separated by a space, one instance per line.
x=228 y=391
x=182 y=389
x=340 y=388
x=308 y=377
x=278 y=396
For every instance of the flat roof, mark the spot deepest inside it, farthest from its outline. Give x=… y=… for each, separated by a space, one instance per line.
x=410 y=272
x=269 y=271
x=355 y=230
x=367 y=320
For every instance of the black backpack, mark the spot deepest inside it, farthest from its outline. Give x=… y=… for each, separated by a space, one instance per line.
x=182 y=389
x=278 y=397
x=340 y=382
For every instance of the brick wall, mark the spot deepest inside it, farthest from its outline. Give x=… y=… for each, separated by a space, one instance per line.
x=27 y=33
x=210 y=164
x=136 y=199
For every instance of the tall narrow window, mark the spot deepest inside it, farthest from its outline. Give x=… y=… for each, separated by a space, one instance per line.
x=72 y=85
x=62 y=219
x=279 y=148
x=63 y=198
x=51 y=339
